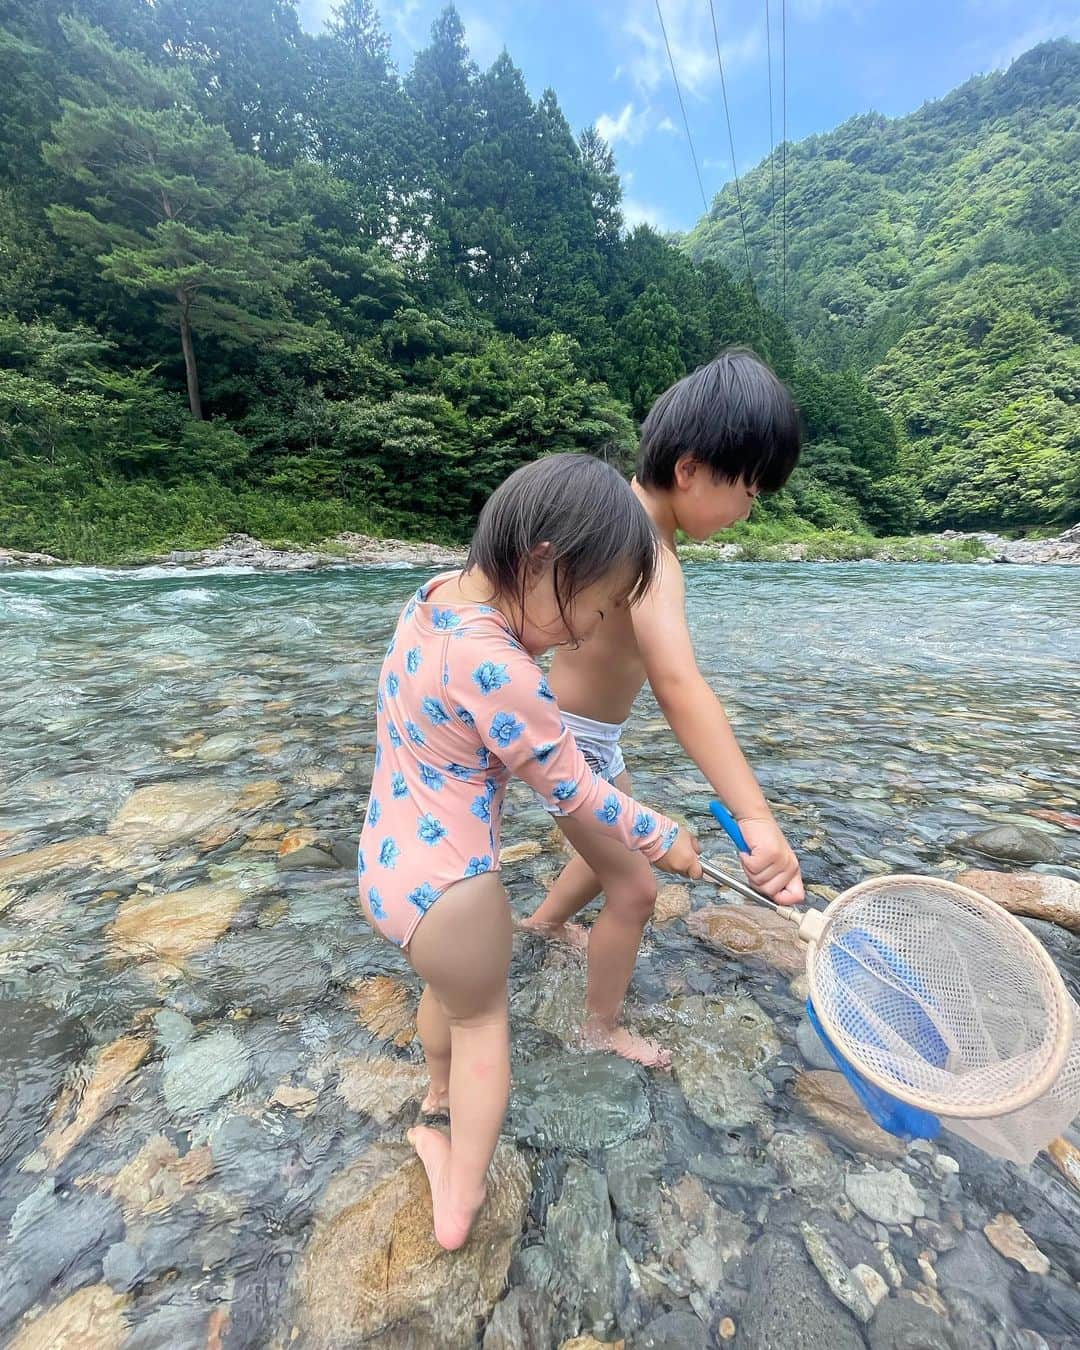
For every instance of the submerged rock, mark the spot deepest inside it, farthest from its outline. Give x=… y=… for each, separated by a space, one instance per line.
x=836 y=1275
x=203 y=1071
x=577 y=1102
x=902 y=1324
x=1007 y=1237
x=583 y=1247
x=94 y=1316
x=789 y=1307
x=828 y=1097
x=806 y=1164
x=886 y=1196
x=717 y=1044
x=757 y=933
x=372 y=1263
x=1034 y=894
x=173 y=926
x=1014 y=843
x=37 y=1043
x=385 y=1007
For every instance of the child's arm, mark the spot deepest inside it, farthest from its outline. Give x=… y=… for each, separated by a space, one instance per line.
x=698 y=719
x=503 y=693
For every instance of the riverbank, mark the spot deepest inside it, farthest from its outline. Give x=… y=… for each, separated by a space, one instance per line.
x=951 y=546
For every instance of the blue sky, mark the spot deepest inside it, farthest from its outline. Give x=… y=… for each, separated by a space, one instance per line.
x=606 y=61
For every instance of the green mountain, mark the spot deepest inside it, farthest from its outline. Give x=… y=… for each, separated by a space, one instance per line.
x=938 y=255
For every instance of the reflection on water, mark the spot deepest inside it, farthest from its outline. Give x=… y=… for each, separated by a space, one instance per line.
x=206 y=1065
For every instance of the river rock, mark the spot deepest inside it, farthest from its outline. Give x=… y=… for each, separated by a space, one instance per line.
x=669 y=1331
x=37 y=1043
x=672 y=902
x=1066 y=1158
x=92 y=1317
x=93 y=850
x=308 y=858
x=758 y=934
x=835 y=1273
x=1014 y=843
x=379 y=1088
x=1007 y=1237
x=82 y=1104
x=886 y=1196
x=55 y=1245
x=172 y=927
x=633 y=1176
x=577 y=1102
x=1055 y=899
x=828 y=1097
x=372 y=1262
x=902 y=1324
x=812 y=1047
x=806 y=1164
x=385 y=1007
x=200 y=1073
x=717 y=1045
x=1049 y=1307
x=698 y=1244
x=789 y=1307
x=156 y=1178
x=173 y=813
x=975 y=1284
x=523 y=1320
x=581 y=1240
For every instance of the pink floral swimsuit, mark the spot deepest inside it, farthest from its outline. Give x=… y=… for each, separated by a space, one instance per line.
x=461 y=706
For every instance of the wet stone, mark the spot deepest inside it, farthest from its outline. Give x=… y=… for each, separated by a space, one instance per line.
x=1014 y=843
x=36 y=1045
x=671 y=1331
x=577 y=1102
x=523 y=1320
x=790 y=1307
x=806 y=1164
x=584 y=1250
x=901 y=1324
x=203 y=1071
x=886 y=1196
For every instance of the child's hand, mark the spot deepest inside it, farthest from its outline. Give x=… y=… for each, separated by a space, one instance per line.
x=771 y=866
x=682 y=857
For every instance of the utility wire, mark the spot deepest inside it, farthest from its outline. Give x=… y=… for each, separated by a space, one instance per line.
x=682 y=108
x=731 y=143
x=772 y=161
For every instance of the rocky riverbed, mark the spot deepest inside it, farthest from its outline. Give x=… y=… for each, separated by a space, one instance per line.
x=209 y=1064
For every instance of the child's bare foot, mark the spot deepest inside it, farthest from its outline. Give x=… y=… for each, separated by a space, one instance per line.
x=574 y=935
x=437 y=1101
x=622 y=1041
x=453 y=1217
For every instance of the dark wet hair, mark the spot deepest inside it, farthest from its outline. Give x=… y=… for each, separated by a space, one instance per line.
x=584 y=510
x=733 y=415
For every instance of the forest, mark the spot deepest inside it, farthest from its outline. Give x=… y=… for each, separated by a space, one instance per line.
x=258 y=280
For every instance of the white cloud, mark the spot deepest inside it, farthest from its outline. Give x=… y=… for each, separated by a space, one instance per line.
x=709 y=163
x=636 y=212
x=693 y=47
x=1050 y=25
x=483 y=40
x=666 y=124
x=629 y=126
x=404 y=17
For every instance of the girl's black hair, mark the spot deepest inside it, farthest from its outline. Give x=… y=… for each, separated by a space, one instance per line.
x=733 y=415
x=586 y=513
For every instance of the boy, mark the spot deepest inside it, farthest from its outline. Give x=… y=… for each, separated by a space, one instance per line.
x=709 y=446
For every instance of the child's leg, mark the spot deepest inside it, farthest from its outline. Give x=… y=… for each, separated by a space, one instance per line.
x=574 y=887
x=629 y=890
x=462 y=950
x=433 y=1027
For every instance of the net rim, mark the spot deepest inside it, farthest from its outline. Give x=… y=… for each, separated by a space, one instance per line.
x=1038 y=1086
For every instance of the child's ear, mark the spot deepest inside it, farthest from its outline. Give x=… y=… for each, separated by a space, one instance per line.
x=686 y=469
x=539 y=556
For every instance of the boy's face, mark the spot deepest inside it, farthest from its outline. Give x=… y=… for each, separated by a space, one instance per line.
x=704 y=503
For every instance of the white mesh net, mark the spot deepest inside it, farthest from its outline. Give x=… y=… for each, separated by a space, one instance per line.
x=947 y=1002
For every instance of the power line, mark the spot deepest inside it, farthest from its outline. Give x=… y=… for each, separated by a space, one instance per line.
x=772 y=158
x=731 y=143
x=783 y=95
x=682 y=108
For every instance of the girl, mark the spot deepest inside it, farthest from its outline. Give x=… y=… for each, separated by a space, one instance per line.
x=461 y=706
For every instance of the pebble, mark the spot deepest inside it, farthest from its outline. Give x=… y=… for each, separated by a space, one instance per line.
x=836 y=1275
x=1006 y=1236
x=885 y=1196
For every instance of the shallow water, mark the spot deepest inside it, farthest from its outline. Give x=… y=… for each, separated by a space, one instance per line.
x=184 y=1083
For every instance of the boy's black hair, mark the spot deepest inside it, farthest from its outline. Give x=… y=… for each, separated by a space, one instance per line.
x=587 y=514
x=733 y=415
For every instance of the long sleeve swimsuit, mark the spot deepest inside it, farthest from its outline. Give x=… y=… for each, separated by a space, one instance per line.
x=461 y=707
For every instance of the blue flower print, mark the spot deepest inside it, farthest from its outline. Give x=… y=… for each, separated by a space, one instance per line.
x=543 y=753
x=424 y=896
x=375 y=901
x=392 y=685
x=374 y=811
x=488 y=677
x=483 y=757
x=361 y=865
x=459 y=771
x=378 y=755
x=390 y=649
x=429 y=830
x=432 y=778
x=478 y=866
x=669 y=838
x=410 y=608
x=412 y=660
x=505 y=729
x=644 y=824
x=611 y=810
x=445 y=619
x=481 y=808
x=379 y=704
x=398 y=786
x=543 y=690
x=466 y=717
x=415 y=734
x=562 y=792
x=435 y=712
x=394 y=735
x=490 y=786
x=389 y=853
x=446 y=674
